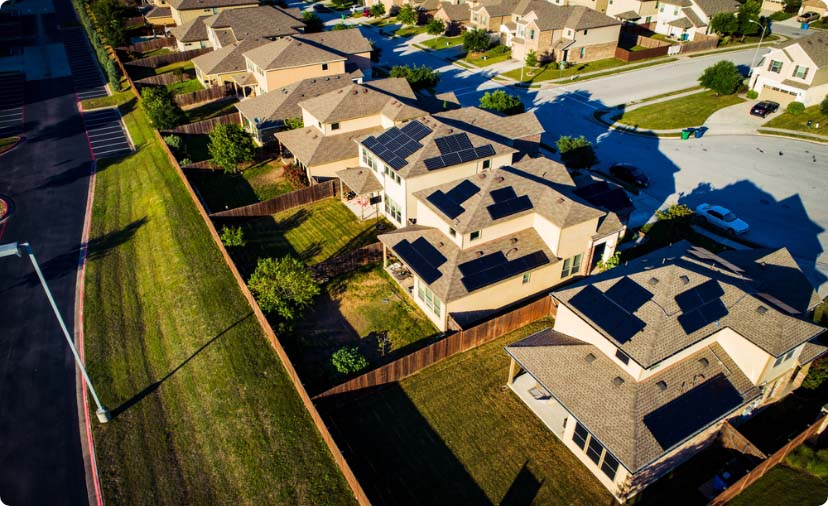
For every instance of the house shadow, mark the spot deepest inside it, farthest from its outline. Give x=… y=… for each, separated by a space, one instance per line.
x=524 y=488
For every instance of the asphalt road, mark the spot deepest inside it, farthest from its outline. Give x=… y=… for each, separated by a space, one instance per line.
x=41 y=459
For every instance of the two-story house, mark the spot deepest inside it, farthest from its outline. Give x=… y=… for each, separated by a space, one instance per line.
x=646 y=361
x=191 y=34
x=685 y=19
x=486 y=241
x=265 y=22
x=797 y=71
x=184 y=11
x=640 y=12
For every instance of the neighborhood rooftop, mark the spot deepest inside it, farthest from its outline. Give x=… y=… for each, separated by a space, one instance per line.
x=393 y=98
x=228 y=58
x=191 y=31
x=263 y=22
x=183 y=5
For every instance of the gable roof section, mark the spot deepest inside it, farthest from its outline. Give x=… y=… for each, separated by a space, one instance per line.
x=290 y=52
x=283 y=103
x=262 y=22
x=393 y=98
x=183 y=5
x=192 y=31
x=313 y=148
x=343 y=42
x=158 y=12
x=456 y=12
x=691 y=15
x=554 y=17
x=503 y=129
x=226 y=59
x=815 y=46
x=713 y=7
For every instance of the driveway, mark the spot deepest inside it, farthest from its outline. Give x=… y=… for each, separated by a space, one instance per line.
x=737 y=120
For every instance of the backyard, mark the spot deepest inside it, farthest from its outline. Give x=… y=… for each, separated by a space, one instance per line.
x=204 y=412
x=454 y=434
x=799 y=122
x=187 y=86
x=225 y=191
x=783 y=486
x=687 y=111
x=211 y=109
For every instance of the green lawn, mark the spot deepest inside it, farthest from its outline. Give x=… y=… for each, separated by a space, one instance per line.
x=187 y=86
x=411 y=30
x=156 y=52
x=551 y=71
x=211 y=109
x=492 y=56
x=783 y=486
x=183 y=65
x=204 y=411
x=782 y=15
x=226 y=191
x=6 y=143
x=119 y=98
x=453 y=434
x=800 y=122
x=438 y=43
x=687 y=111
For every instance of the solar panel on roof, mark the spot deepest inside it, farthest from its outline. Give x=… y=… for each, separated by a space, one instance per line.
x=484 y=151
x=613 y=319
x=509 y=207
x=692 y=321
x=628 y=294
x=503 y=194
x=463 y=191
x=397 y=162
x=434 y=163
x=422 y=257
x=481 y=264
x=451 y=159
x=447 y=206
x=453 y=143
x=370 y=143
x=493 y=268
x=467 y=155
x=415 y=130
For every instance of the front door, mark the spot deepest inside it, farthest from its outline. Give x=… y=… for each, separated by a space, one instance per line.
x=597 y=255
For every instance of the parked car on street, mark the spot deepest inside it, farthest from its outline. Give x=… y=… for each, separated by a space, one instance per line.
x=321 y=8
x=808 y=17
x=630 y=174
x=722 y=219
x=764 y=108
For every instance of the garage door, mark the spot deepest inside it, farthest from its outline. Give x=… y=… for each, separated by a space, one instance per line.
x=775 y=94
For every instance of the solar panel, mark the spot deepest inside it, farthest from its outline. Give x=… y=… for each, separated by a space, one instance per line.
x=422 y=257
x=467 y=155
x=370 y=143
x=451 y=159
x=713 y=311
x=503 y=194
x=628 y=294
x=481 y=264
x=509 y=207
x=434 y=163
x=709 y=290
x=692 y=321
x=397 y=162
x=493 y=268
x=463 y=191
x=613 y=319
x=415 y=130
x=689 y=300
x=484 y=151
x=446 y=205
x=453 y=143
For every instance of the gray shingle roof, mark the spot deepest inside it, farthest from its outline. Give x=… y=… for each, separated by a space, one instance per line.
x=672 y=271
x=691 y=15
x=713 y=7
x=812 y=351
x=815 y=46
x=289 y=53
x=283 y=103
x=360 y=180
x=682 y=22
x=393 y=98
x=192 y=31
x=637 y=422
x=456 y=12
x=226 y=59
x=183 y=5
x=313 y=148
x=264 y=22
x=503 y=129
x=554 y=17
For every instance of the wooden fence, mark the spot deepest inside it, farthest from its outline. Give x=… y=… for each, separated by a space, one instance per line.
x=768 y=464
x=206 y=95
x=455 y=343
x=147 y=45
x=349 y=261
x=702 y=43
x=296 y=198
x=206 y=126
x=166 y=59
x=628 y=56
x=164 y=79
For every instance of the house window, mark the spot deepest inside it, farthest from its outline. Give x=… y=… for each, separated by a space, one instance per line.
x=392 y=209
x=571 y=266
x=580 y=435
x=648 y=19
x=594 y=450
x=583 y=52
x=429 y=299
x=474 y=235
x=474 y=17
x=800 y=72
x=610 y=466
x=521 y=31
x=483 y=20
x=526 y=277
x=623 y=357
x=386 y=170
x=532 y=34
x=452 y=232
x=779 y=360
x=775 y=66
x=334 y=126
x=397 y=178
x=790 y=354
x=324 y=66
x=585 y=32
x=487 y=164
x=675 y=11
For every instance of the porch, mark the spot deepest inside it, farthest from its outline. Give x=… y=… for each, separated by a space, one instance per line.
x=360 y=191
x=538 y=400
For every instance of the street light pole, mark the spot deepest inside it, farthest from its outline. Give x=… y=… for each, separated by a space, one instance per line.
x=26 y=249
x=756 y=53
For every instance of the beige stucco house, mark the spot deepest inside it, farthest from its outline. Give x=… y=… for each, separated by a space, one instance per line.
x=489 y=240
x=226 y=64
x=685 y=20
x=797 y=71
x=639 y=12
x=646 y=361
x=818 y=6
x=184 y=11
x=160 y=16
x=191 y=35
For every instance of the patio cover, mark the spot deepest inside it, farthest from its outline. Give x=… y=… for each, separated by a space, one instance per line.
x=360 y=180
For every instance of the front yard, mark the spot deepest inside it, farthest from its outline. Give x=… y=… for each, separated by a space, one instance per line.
x=799 y=122
x=688 y=111
x=551 y=70
x=494 y=55
x=454 y=434
x=438 y=43
x=411 y=30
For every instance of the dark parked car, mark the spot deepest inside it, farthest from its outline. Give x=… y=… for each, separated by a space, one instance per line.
x=764 y=108
x=320 y=8
x=808 y=17
x=630 y=174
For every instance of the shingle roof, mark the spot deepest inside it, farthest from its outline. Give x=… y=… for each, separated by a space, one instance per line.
x=192 y=31
x=811 y=351
x=290 y=52
x=713 y=7
x=681 y=23
x=503 y=129
x=815 y=46
x=183 y=5
x=226 y=59
x=576 y=17
x=691 y=15
x=262 y=22
x=344 y=42
x=360 y=180
x=158 y=12
x=680 y=3
x=628 y=16
x=497 y=8
x=456 y=12
x=665 y=317
x=393 y=98
x=313 y=148
x=638 y=422
x=283 y=103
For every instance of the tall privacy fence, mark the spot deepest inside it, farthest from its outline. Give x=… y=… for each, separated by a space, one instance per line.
x=207 y=125
x=653 y=47
x=148 y=45
x=281 y=203
x=444 y=348
x=165 y=79
x=166 y=59
x=206 y=95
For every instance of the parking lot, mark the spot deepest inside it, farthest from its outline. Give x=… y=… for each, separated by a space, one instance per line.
x=86 y=74
x=11 y=103
x=106 y=133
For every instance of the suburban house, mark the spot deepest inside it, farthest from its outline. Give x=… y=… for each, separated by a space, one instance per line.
x=490 y=15
x=184 y=11
x=796 y=71
x=160 y=16
x=264 y=22
x=455 y=15
x=561 y=33
x=226 y=64
x=335 y=120
x=818 y=6
x=685 y=19
x=646 y=361
x=264 y=115
x=639 y=12
x=425 y=7
x=191 y=35
x=489 y=240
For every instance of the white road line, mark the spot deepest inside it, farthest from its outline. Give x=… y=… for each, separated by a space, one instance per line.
x=105 y=136
x=119 y=137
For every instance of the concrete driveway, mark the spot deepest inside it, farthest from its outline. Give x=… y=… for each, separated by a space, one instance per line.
x=736 y=120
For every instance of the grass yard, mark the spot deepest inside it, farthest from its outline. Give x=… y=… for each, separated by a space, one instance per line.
x=411 y=30
x=226 y=191
x=799 y=122
x=454 y=434
x=156 y=52
x=116 y=99
x=688 y=111
x=6 y=143
x=211 y=109
x=492 y=56
x=204 y=411
x=438 y=43
x=187 y=86
x=183 y=65
x=783 y=486
x=551 y=71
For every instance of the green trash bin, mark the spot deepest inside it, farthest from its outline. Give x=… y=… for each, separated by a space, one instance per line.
x=685 y=134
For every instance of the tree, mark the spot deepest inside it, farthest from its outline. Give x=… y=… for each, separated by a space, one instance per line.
x=407 y=15
x=110 y=17
x=611 y=262
x=163 y=113
x=722 y=77
x=230 y=146
x=576 y=152
x=348 y=360
x=283 y=286
x=792 y=6
x=475 y=41
x=294 y=123
x=313 y=23
x=823 y=106
x=532 y=59
x=232 y=236
x=724 y=23
x=343 y=26
x=501 y=101
x=796 y=108
x=817 y=374
x=436 y=26
x=377 y=10
x=113 y=75
x=418 y=77
x=748 y=16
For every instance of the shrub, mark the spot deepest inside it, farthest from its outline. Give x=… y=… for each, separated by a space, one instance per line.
x=611 y=262
x=407 y=15
x=296 y=176
x=313 y=23
x=184 y=162
x=499 y=50
x=343 y=26
x=806 y=459
x=823 y=106
x=231 y=146
x=752 y=94
x=796 y=108
x=163 y=113
x=724 y=23
x=817 y=374
x=377 y=10
x=173 y=141
x=532 y=59
x=475 y=41
x=113 y=75
x=676 y=212
x=576 y=152
x=435 y=26
x=722 y=77
x=502 y=102
x=294 y=123
x=283 y=286
x=418 y=77
x=349 y=360
x=232 y=236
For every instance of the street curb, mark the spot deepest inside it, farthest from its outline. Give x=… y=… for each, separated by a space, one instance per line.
x=791 y=137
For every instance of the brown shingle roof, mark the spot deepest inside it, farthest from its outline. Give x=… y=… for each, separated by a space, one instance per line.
x=691 y=15
x=360 y=180
x=183 y=5
x=392 y=98
x=313 y=148
x=283 y=103
x=637 y=422
x=576 y=17
x=158 y=12
x=264 y=22
x=713 y=7
x=290 y=52
x=343 y=42
x=192 y=31
x=503 y=129
x=456 y=12
x=226 y=59
x=815 y=46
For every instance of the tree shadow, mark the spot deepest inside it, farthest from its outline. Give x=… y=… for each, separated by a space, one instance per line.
x=66 y=177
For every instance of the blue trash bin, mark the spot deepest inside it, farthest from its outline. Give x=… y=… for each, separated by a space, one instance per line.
x=698 y=133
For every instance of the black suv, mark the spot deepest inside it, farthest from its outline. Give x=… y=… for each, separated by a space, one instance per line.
x=630 y=174
x=764 y=108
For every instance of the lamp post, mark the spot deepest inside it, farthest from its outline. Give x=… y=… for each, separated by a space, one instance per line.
x=25 y=249
x=756 y=53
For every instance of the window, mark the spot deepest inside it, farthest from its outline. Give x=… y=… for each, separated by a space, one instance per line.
x=521 y=31
x=661 y=9
x=775 y=66
x=386 y=170
x=790 y=354
x=620 y=355
x=324 y=66
x=334 y=126
x=800 y=72
x=580 y=435
x=571 y=266
x=526 y=277
x=610 y=466
x=392 y=209
x=474 y=235
x=397 y=178
x=487 y=164
x=648 y=19
x=474 y=17
x=429 y=299
x=594 y=450
x=452 y=232
x=532 y=34
x=779 y=360
x=585 y=32
x=583 y=52
x=483 y=20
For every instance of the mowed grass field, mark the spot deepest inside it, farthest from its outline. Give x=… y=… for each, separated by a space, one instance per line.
x=204 y=410
x=783 y=486
x=688 y=111
x=455 y=434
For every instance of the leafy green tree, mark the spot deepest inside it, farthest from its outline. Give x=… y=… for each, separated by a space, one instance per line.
x=748 y=16
x=611 y=262
x=313 y=23
x=113 y=75
x=232 y=236
x=283 y=286
x=676 y=212
x=576 y=152
x=173 y=141
x=817 y=374
x=475 y=41
x=796 y=108
x=418 y=77
x=823 y=106
x=294 y=123
x=110 y=16
x=163 y=113
x=532 y=59
x=792 y=6
x=435 y=26
x=501 y=101
x=407 y=15
x=349 y=360
x=724 y=23
x=722 y=77
x=231 y=146
x=377 y=10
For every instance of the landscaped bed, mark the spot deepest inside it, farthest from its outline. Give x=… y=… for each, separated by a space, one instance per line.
x=799 y=122
x=454 y=434
x=226 y=191
x=688 y=111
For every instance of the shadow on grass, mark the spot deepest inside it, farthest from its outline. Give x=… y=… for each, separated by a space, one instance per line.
x=152 y=387
x=523 y=489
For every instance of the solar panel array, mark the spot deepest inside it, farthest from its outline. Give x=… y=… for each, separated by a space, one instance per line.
x=628 y=294
x=492 y=268
x=450 y=203
x=397 y=144
x=453 y=143
x=507 y=203
x=456 y=149
x=422 y=257
x=701 y=306
x=616 y=321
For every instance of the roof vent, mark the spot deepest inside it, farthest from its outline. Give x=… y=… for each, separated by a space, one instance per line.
x=441 y=244
x=704 y=362
x=513 y=240
x=340 y=90
x=590 y=358
x=618 y=381
x=653 y=281
x=482 y=175
x=662 y=385
x=684 y=279
x=761 y=309
x=356 y=92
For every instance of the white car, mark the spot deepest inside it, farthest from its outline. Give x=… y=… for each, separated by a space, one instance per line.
x=722 y=218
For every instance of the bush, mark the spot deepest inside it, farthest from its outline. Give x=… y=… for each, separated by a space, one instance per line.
x=611 y=262
x=113 y=75
x=294 y=123
x=110 y=16
x=500 y=50
x=823 y=106
x=407 y=15
x=184 y=162
x=232 y=236
x=475 y=41
x=532 y=59
x=231 y=146
x=676 y=212
x=576 y=152
x=296 y=176
x=502 y=102
x=418 y=77
x=283 y=286
x=724 y=23
x=343 y=26
x=313 y=23
x=817 y=374
x=722 y=77
x=796 y=108
x=349 y=360
x=806 y=459
x=173 y=141
x=163 y=113
x=752 y=94
x=435 y=26
x=377 y=10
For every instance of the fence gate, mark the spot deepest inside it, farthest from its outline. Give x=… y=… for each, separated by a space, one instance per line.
x=673 y=50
